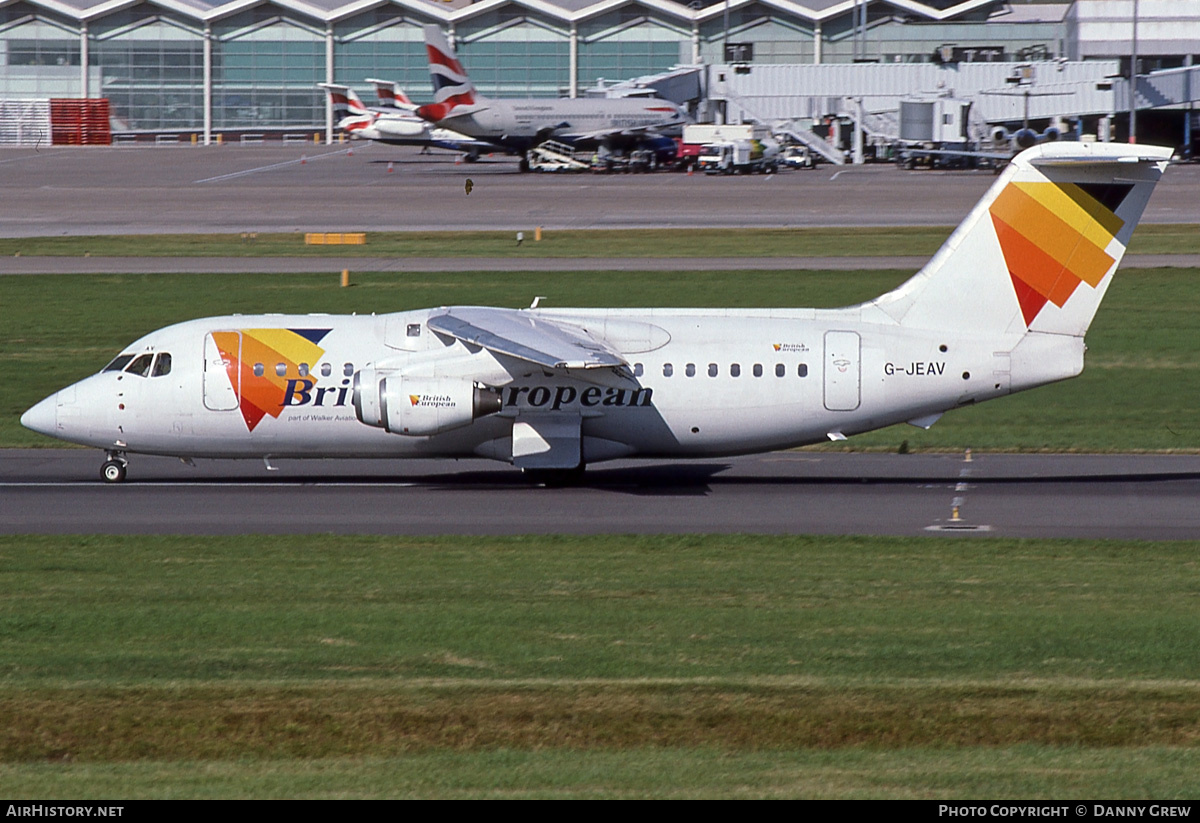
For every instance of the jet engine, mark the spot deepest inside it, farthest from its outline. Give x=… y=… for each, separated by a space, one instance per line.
x=420 y=406
x=1026 y=138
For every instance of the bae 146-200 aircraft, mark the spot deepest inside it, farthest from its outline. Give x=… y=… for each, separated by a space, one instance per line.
x=1002 y=307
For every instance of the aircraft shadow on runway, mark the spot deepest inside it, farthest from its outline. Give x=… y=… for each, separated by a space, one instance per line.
x=665 y=479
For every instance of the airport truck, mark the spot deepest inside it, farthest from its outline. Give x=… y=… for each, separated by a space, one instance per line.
x=739 y=156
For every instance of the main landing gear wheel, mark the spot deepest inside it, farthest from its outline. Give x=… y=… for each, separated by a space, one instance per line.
x=113 y=470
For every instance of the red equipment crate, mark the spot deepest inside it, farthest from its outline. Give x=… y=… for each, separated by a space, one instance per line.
x=79 y=122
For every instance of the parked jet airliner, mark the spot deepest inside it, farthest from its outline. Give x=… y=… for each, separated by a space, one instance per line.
x=617 y=123
x=1002 y=307
x=395 y=125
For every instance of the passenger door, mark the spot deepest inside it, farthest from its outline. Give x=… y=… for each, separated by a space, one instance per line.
x=222 y=380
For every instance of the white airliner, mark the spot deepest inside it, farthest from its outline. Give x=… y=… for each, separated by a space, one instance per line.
x=395 y=124
x=1002 y=307
x=613 y=124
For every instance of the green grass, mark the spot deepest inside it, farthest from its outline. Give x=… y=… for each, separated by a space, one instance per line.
x=835 y=242
x=700 y=666
x=1138 y=391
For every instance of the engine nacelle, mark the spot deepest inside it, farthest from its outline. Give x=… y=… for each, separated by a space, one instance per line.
x=1026 y=138
x=420 y=406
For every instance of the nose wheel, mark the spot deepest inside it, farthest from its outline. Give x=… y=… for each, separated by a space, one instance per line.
x=113 y=470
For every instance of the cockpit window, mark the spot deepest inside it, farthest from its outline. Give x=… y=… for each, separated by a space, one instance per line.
x=140 y=366
x=119 y=362
x=162 y=365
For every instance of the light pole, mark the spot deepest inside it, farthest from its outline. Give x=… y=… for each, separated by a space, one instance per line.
x=1133 y=75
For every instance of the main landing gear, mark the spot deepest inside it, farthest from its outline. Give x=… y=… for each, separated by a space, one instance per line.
x=113 y=470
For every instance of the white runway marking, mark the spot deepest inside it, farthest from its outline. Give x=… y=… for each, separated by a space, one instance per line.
x=35 y=156
x=298 y=160
x=215 y=483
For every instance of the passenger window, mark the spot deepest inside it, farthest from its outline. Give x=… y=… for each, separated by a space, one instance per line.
x=304 y=370
x=141 y=366
x=281 y=369
x=162 y=365
x=119 y=362
x=758 y=369
x=259 y=370
x=348 y=370
x=735 y=370
x=637 y=370
x=779 y=370
x=326 y=369
x=690 y=370
x=802 y=370
x=668 y=370
x=712 y=369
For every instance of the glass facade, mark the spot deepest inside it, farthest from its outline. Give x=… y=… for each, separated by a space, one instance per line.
x=268 y=59
x=510 y=54
x=628 y=43
x=266 y=68
x=39 y=55
x=151 y=70
x=382 y=44
x=775 y=38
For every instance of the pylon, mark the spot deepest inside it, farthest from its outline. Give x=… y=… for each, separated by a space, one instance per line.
x=389 y=167
x=303 y=159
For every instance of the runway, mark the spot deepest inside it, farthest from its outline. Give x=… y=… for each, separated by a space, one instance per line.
x=184 y=189
x=58 y=491
x=296 y=265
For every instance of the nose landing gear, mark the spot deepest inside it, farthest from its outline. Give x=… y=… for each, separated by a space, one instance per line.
x=113 y=470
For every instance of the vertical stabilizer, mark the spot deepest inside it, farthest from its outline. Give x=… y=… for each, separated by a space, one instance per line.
x=451 y=85
x=1038 y=252
x=343 y=100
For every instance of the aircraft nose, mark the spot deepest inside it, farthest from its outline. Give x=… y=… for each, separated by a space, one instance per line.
x=41 y=418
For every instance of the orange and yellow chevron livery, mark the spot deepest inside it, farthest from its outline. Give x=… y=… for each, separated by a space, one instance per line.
x=1055 y=236
x=262 y=394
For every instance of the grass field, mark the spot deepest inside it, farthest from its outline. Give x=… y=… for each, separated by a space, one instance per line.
x=1138 y=391
x=706 y=666
x=685 y=667
x=750 y=243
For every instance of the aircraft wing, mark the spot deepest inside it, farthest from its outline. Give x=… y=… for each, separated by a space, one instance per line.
x=552 y=344
x=624 y=131
x=983 y=155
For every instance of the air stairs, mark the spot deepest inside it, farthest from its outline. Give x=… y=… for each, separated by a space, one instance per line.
x=553 y=155
x=788 y=129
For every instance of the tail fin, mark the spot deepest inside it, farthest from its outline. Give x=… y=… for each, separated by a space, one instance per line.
x=1038 y=252
x=451 y=85
x=344 y=101
x=390 y=95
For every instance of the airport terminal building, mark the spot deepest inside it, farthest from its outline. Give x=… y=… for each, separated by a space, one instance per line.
x=208 y=67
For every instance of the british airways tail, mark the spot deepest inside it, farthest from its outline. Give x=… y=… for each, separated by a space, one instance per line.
x=390 y=96
x=452 y=87
x=1038 y=252
x=344 y=101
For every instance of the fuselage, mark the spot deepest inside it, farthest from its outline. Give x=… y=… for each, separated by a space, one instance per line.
x=699 y=383
x=522 y=124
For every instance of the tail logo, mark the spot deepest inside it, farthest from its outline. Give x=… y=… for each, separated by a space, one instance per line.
x=1054 y=236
